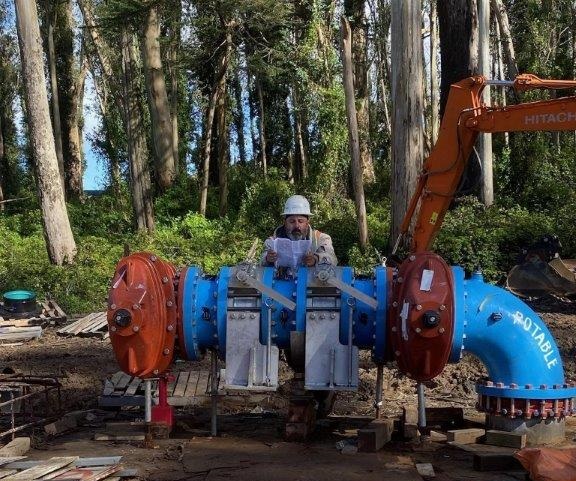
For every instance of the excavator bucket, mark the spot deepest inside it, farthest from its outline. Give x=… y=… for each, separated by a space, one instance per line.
x=537 y=278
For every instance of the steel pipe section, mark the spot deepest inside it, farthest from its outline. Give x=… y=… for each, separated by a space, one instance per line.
x=322 y=316
x=526 y=375
x=205 y=301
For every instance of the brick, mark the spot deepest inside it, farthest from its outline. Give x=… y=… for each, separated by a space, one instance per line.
x=375 y=435
x=504 y=438
x=465 y=436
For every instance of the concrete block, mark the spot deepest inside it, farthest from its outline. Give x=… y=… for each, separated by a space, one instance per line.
x=465 y=436
x=504 y=438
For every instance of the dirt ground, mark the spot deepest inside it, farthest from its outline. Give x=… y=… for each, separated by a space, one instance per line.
x=250 y=445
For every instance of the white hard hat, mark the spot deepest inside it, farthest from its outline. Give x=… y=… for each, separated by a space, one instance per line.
x=297 y=205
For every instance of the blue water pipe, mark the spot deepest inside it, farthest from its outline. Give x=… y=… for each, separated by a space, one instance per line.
x=519 y=352
x=204 y=304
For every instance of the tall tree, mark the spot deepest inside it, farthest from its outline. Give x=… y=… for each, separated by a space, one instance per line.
x=355 y=11
x=138 y=152
x=54 y=97
x=218 y=89
x=407 y=107
x=458 y=23
x=506 y=36
x=434 y=87
x=353 y=134
x=162 y=133
x=57 y=231
x=72 y=71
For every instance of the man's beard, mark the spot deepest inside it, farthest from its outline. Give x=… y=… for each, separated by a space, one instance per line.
x=295 y=235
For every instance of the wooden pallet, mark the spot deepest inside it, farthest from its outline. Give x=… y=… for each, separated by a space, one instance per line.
x=66 y=468
x=189 y=388
x=92 y=325
x=50 y=314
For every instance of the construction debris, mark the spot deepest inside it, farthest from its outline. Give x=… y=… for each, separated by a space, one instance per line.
x=16 y=447
x=70 y=468
x=92 y=325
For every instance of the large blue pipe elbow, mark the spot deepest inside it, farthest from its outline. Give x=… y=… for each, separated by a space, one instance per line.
x=518 y=350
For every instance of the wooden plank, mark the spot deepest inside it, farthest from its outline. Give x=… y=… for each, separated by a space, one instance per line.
x=192 y=384
x=85 y=474
x=203 y=386
x=504 y=438
x=6 y=472
x=181 y=384
x=133 y=386
x=116 y=377
x=496 y=462
x=10 y=459
x=465 y=436
x=119 y=437
x=43 y=469
x=15 y=448
x=77 y=326
x=122 y=382
x=57 y=309
x=99 y=461
x=374 y=436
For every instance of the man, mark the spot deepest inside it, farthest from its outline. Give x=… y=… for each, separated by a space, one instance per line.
x=296 y=226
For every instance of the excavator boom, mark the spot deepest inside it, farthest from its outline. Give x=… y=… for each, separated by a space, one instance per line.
x=464 y=118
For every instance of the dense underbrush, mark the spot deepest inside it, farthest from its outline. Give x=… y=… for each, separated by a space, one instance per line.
x=472 y=236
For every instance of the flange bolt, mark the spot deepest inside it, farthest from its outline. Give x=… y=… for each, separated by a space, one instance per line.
x=430 y=319
x=122 y=317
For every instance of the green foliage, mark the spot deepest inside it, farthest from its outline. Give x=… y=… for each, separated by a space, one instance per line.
x=474 y=236
x=263 y=202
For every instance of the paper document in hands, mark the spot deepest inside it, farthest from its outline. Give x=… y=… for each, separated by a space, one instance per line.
x=290 y=252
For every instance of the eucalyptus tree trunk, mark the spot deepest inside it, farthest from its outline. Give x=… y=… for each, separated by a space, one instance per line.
x=158 y=102
x=238 y=116
x=174 y=74
x=217 y=89
x=355 y=11
x=57 y=232
x=485 y=140
x=108 y=75
x=299 y=138
x=383 y=65
x=71 y=77
x=55 y=99
x=407 y=107
x=72 y=122
x=502 y=16
x=434 y=86
x=261 y=127
x=353 y=137
x=2 y=164
x=458 y=23
x=137 y=151
x=223 y=152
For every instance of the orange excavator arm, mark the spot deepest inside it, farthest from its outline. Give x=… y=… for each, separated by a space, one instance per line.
x=464 y=118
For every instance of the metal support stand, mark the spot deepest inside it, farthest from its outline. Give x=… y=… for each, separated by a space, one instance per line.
x=214 y=391
x=421 y=406
x=147 y=400
x=379 y=387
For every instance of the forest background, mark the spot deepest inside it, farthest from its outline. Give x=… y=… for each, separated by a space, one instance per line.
x=212 y=112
